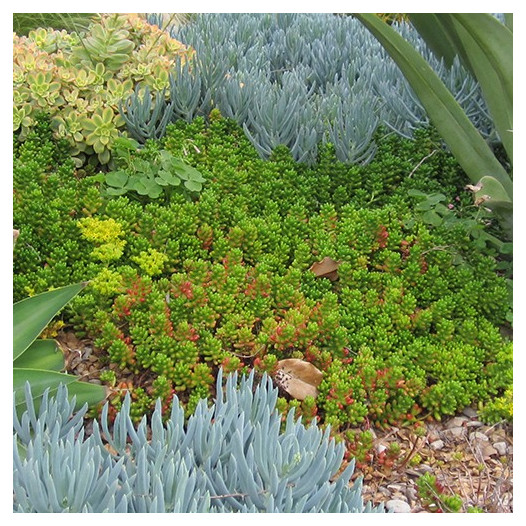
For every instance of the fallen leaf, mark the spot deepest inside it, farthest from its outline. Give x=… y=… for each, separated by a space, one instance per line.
x=110 y=449
x=482 y=199
x=298 y=378
x=473 y=188
x=326 y=268
x=69 y=339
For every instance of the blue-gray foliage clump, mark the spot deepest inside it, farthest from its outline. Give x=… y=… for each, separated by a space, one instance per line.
x=301 y=79
x=230 y=457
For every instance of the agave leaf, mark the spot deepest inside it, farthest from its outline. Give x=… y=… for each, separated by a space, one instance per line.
x=489 y=46
x=40 y=380
x=464 y=140
x=488 y=192
x=490 y=186
x=32 y=315
x=41 y=354
x=444 y=44
x=485 y=47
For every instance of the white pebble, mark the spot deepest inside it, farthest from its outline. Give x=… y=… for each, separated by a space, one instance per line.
x=397 y=506
x=437 y=445
x=501 y=448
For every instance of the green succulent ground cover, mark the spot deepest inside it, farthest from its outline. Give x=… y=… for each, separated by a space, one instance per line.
x=182 y=285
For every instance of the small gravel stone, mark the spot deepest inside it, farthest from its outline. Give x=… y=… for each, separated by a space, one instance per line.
x=396 y=487
x=480 y=436
x=488 y=451
x=411 y=493
x=501 y=448
x=458 y=421
x=498 y=435
x=455 y=432
x=385 y=492
x=432 y=436
x=425 y=468
x=437 y=445
x=397 y=506
x=470 y=412
x=474 y=423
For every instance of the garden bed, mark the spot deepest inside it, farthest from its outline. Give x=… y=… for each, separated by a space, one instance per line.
x=470 y=461
x=276 y=216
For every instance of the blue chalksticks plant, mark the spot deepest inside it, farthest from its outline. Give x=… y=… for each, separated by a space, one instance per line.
x=229 y=457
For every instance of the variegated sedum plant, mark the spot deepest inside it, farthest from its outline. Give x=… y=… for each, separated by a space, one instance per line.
x=81 y=78
x=231 y=457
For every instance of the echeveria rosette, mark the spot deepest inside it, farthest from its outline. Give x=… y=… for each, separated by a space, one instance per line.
x=100 y=131
x=44 y=89
x=57 y=73
x=22 y=117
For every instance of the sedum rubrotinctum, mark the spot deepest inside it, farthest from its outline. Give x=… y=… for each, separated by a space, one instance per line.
x=231 y=457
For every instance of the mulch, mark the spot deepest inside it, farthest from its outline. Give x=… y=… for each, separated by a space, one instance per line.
x=468 y=459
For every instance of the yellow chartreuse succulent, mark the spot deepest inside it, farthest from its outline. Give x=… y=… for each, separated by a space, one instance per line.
x=104 y=233
x=108 y=282
x=152 y=262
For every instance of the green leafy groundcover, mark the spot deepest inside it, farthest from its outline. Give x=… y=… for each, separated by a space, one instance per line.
x=179 y=287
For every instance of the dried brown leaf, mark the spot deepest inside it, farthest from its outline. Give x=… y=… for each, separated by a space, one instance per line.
x=326 y=268
x=298 y=378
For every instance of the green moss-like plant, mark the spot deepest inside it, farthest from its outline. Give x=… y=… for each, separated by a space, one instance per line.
x=409 y=328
